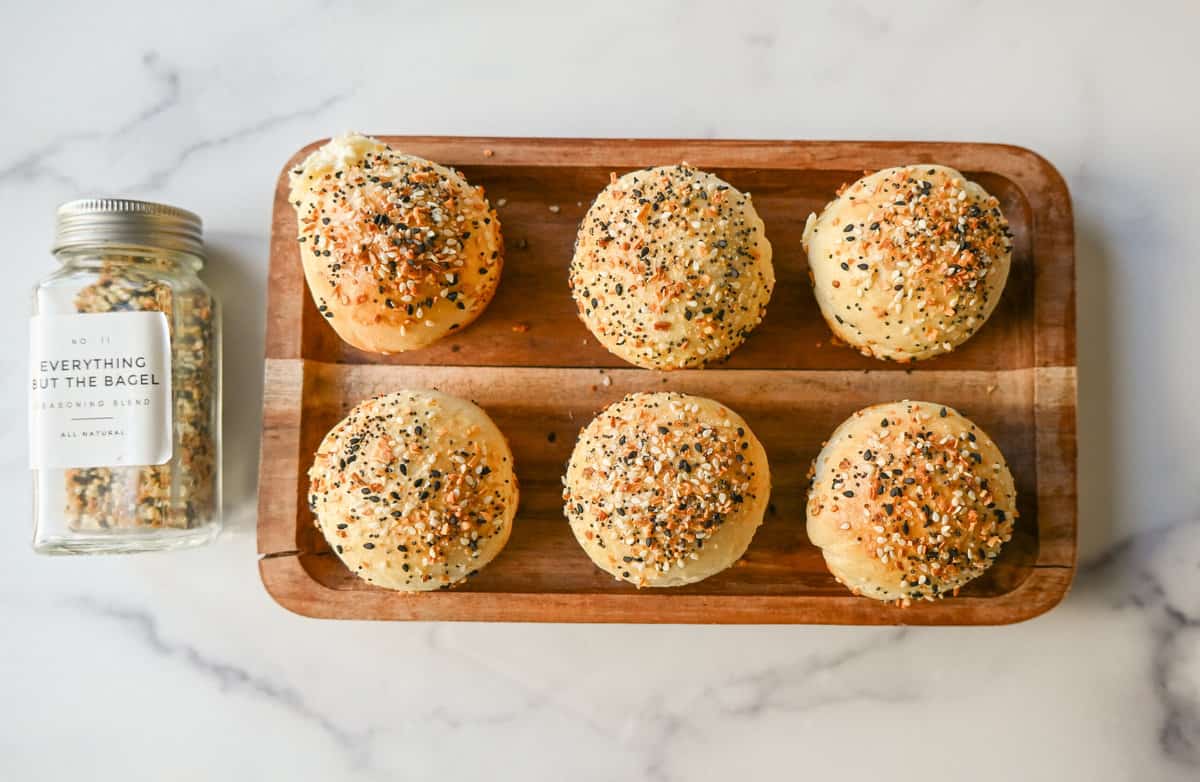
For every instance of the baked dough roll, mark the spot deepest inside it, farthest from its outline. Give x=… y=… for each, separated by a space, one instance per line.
x=908 y=262
x=414 y=490
x=398 y=251
x=909 y=501
x=666 y=489
x=671 y=268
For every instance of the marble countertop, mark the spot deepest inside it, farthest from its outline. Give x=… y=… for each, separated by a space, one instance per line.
x=180 y=666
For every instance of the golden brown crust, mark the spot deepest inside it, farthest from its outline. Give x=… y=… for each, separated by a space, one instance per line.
x=908 y=262
x=666 y=489
x=414 y=490
x=398 y=251
x=910 y=501
x=671 y=268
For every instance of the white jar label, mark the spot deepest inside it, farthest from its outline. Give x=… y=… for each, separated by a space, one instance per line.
x=100 y=390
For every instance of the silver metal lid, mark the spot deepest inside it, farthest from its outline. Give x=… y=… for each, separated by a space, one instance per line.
x=89 y=222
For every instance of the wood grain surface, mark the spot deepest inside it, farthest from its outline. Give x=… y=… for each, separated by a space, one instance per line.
x=533 y=366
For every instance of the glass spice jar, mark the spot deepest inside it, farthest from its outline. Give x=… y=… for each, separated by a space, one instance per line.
x=125 y=384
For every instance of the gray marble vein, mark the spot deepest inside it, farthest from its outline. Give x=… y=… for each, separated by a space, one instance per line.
x=162 y=73
x=359 y=744
x=227 y=675
x=158 y=178
x=1157 y=573
x=37 y=163
x=34 y=165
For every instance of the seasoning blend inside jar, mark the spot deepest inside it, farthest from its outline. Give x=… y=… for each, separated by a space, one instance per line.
x=125 y=384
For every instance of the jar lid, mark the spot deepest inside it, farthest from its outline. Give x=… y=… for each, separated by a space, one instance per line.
x=120 y=221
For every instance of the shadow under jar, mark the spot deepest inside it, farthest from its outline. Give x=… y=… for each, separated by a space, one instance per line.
x=125 y=389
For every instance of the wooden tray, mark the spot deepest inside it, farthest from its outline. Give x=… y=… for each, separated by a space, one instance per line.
x=542 y=383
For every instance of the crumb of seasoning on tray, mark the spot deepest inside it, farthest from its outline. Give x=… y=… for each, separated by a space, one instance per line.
x=555 y=208
x=520 y=328
x=501 y=202
x=488 y=152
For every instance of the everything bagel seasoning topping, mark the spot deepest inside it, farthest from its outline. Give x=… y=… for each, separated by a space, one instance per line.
x=395 y=231
x=925 y=494
x=671 y=267
x=400 y=475
x=918 y=248
x=659 y=479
